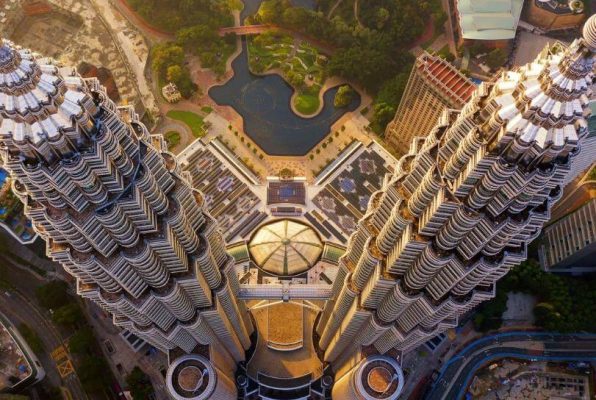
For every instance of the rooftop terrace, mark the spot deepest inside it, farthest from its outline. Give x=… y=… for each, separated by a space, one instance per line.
x=14 y=366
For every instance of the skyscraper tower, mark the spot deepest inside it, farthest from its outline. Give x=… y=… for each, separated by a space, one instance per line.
x=460 y=208
x=434 y=85
x=116 y=211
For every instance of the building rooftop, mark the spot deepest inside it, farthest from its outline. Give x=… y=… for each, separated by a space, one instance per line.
x=344 y=200
x=191 y=377
x=489 y=19
x=380 y=377
x=285 y=247
x=450 y=80
x=228 y=199
x=14 y=366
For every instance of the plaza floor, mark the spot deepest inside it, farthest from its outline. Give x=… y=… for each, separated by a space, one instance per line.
x=284 y=364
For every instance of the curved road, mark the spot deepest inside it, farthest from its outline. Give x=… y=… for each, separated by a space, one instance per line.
x=16 y=304
x=456 y=375
x=20 y=310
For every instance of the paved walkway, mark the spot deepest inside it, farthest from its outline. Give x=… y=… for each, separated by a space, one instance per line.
x=169 y=125
x=136 y=56
x=284 y=364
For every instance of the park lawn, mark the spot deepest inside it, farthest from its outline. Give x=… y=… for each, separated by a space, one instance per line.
x=172 y=138
x=193 y=121
x=307 y=103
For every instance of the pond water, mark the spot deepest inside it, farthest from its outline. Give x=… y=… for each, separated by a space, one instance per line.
x=264 y=104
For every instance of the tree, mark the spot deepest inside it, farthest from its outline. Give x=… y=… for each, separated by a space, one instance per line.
x=47 y=392
x=174 y=73
x=166 y=54
x=197 y=36
x=271 y=11
x=68 y=315
x=383 y=114
x=496 y=58
x=139 y=384
x=92 y=373
x=343 y=97
x=382 y=17
x=295 y=79
x=392 y=90
x=53 y=294
x=31 y=337
x=82 y=342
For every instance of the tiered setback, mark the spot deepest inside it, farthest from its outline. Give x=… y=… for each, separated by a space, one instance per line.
x=460 y=208
x=115 y=209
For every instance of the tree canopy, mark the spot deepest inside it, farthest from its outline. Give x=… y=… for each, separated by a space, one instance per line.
x=195 y=24
x=171 y=15
x=82 y=341
x=343 y=97
x=139 y=384
x=565 y=303
x=53 y=294
x=168 y=62
x=69 y=315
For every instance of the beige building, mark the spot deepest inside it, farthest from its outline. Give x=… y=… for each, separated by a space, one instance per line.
x=171 y=93
x=569 y=245
x=434 y=85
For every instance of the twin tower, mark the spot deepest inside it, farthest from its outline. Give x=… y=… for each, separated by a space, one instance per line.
x=455 y=215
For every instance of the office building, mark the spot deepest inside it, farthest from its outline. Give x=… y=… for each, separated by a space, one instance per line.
x=569 y=245
x=116 y=211
x=460 y=208
x=433 y=86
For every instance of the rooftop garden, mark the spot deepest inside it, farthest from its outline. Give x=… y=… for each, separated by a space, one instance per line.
x=299 y=63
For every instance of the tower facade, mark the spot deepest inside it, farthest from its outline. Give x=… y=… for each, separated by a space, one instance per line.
x=433 y=86
x=460 y=208
x=116 y=211
x=585 y=160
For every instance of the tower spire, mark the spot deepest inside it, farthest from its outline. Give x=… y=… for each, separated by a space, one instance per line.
x=461 y=207
x=589 y=33
x=115 y=212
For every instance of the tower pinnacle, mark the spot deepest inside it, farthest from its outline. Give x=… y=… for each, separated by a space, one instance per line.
x=8 y=58
x=589 y=32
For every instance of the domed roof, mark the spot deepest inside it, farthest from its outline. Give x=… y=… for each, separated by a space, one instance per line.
x=285 y=247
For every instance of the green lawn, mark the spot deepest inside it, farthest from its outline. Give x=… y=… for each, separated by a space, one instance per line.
x=194 y=121
x=307 y=103
x=172 y=138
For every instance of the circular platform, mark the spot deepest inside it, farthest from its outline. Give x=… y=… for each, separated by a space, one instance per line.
x=380 y=377
x=191 y=377
x=285 y=247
